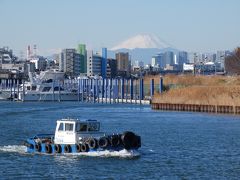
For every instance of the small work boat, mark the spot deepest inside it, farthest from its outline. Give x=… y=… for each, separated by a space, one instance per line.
x=75 y=136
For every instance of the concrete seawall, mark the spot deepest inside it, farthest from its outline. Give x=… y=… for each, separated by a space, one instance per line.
x=197 y=108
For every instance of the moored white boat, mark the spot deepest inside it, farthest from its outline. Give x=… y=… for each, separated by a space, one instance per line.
x=48 y=86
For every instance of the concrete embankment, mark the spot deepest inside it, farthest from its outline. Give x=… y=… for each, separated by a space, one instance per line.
x=197 y=108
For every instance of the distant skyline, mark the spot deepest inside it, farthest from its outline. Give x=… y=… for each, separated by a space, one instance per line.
x=191 y=25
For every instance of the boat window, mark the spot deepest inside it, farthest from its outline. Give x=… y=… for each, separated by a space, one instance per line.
x=46 y=89
x=68 y=127
x=93 y=126
x=81 y=127
x=47 y=81
x=28 y=87
x=60 y=128
x=57 y=89
x=34 y=88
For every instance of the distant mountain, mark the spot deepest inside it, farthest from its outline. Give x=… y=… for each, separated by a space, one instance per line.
x=142 y=47
x=141 y=41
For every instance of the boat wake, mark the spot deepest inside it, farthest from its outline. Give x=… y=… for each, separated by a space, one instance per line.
x=106 y=153
x=14 y=149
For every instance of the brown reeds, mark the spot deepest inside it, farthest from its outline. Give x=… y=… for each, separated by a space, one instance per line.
x=202 y=90
x=196 y=80
x=205 y=95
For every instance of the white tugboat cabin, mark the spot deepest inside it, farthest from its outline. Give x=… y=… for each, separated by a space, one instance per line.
x=72 y=131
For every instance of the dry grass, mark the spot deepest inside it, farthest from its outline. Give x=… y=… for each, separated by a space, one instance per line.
x=207 y=90
x=191 y=80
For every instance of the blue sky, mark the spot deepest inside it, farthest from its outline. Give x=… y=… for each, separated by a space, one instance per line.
x=192 y=25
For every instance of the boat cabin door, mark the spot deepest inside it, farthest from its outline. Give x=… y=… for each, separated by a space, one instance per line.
x=65 y=133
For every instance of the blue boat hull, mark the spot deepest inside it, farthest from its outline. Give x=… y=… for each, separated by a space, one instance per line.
x=44 y=148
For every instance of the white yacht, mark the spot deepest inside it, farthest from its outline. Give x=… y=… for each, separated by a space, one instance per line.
x=48 y=86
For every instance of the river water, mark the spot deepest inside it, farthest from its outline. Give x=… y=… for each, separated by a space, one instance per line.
x=175 y=145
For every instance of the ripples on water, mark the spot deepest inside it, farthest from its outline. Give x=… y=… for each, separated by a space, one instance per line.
x=175 y=145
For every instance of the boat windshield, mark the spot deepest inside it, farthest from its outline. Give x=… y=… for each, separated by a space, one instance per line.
x=93 y=126
x=46 y=89
x=88 y=126
x=81 y=127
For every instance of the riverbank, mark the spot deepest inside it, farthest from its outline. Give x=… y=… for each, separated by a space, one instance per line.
x=200 y=90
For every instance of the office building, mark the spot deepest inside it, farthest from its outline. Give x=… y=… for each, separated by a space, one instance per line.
x=111 y=68
x=104 y=62
x=158 y=61
x=94 y=64
x=81 y=50
x=70 y=62
x=182 y=58
x=40 y=63
x=122 y=61
x=169 y=58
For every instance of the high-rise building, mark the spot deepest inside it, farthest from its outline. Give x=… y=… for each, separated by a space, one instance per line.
x=182 y=57
x=220 y=58
x=94 y=64
x=111 y=68
x=40 y=62
x=122 y=61
x=169 y=58
x=81 y=49
x=70 y=62
x=104 y=62
x=175 y=59
x=190 y=57
x=214 y=57
x=158 y=60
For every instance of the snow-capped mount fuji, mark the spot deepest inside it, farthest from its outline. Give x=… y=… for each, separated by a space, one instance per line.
x=144 y=41
x=142 y=47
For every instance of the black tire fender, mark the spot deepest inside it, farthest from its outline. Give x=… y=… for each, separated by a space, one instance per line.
x=48 y=148
x=38 y=147
x=58 y=148
x=78 y=147
x=84 y=147
x=103 y=142
x=129 y=139
x=93 y=143
x=114 y=140
x=67 y=148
